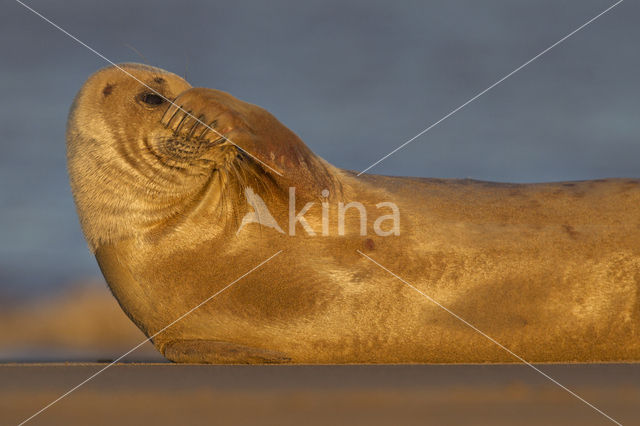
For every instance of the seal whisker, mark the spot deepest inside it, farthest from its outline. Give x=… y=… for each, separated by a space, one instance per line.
x=219 y=141
x=196 y=123
x=175 y=113
x=172 y=104
x=208 y=128
x=186 y=115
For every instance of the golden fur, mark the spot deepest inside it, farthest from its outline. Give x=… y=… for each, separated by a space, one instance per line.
x=551 y=271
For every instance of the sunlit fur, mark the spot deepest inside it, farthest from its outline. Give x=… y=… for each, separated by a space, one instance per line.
x=128 y=173
x=551 y=271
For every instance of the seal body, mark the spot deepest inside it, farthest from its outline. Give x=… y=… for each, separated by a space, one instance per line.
x=175 y=211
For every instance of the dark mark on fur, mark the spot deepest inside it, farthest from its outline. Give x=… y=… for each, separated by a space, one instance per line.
x=107 y=89
x=369 y=244
x=571 y=231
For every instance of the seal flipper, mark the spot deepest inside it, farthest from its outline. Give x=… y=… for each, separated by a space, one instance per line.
x=217 y=352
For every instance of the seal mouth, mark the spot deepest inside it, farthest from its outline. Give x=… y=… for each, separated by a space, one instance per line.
x=184 y=150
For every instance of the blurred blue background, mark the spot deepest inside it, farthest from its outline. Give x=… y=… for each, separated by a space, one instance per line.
x=353 y=78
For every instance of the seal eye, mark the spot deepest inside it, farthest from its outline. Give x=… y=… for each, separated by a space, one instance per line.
x=151 y=99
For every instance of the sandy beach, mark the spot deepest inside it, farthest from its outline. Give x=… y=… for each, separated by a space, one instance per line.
x=171 y=394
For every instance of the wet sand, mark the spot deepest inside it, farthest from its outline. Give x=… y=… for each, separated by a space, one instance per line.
x=171 y=394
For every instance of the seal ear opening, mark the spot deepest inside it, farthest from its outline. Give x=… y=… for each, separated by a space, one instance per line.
x=107 y=90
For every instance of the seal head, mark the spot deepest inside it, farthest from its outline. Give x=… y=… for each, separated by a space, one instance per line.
x=144 y=148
